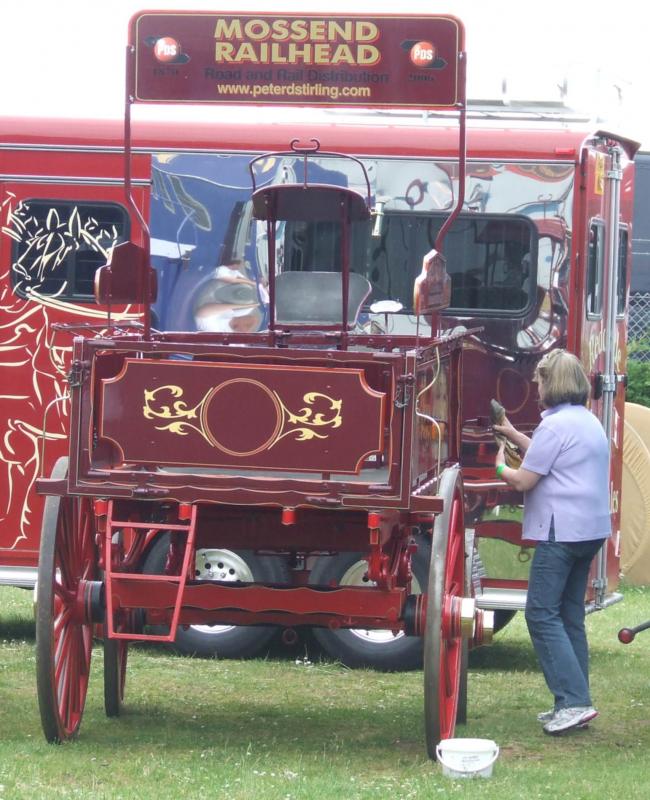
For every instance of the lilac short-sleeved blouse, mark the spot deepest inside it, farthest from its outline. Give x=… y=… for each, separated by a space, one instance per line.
x=569 y=449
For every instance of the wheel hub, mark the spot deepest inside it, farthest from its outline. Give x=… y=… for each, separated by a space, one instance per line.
x=357 y=575
x=221 y=565
x=213 y=564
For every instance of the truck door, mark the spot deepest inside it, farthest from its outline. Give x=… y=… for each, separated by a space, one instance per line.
x=602 y=340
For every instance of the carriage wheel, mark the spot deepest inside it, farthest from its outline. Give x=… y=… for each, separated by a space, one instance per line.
x=63 y=627
x=115 y=657
x=443 y=648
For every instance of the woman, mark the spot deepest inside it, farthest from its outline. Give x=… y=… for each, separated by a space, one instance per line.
x=565 y=480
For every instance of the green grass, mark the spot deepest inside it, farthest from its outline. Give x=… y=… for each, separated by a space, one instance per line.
x=272 y=729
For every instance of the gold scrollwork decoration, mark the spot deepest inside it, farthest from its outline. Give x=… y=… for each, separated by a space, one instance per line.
x=307 y=419
x=165 y=403
x=176 y=410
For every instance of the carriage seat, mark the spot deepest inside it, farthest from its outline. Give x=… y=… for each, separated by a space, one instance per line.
x=314 y=298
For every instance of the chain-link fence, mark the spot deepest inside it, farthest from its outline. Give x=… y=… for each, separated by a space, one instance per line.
x=638 y=331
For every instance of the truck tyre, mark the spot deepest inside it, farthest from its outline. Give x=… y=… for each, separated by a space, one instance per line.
x=502 y=617
x=221 y=641
x=375 y=649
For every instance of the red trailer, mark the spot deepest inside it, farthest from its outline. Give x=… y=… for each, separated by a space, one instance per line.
x=311 y=437
x=538 y=258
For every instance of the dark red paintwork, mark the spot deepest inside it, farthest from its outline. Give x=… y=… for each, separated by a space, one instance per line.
x=248 y=417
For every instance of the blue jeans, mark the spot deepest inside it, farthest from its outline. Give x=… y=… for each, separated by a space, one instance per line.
x=555 y=615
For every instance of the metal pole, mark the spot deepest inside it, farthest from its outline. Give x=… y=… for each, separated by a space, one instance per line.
x=614 y=177
x=128 y=100
x=462 y=158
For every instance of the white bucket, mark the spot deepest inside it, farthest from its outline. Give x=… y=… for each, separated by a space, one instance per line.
x=467 y=758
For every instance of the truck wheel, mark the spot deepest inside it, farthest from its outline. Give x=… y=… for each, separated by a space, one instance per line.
x=221 y=641
x=502 y=617
x=377 y=649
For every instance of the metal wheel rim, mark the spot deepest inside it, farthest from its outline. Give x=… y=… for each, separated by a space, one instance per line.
x=63 y=643
x=233 y=568
x=356 y=575
x=442 y=655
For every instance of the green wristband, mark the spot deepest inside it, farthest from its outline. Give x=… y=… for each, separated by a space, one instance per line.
x=500 y=469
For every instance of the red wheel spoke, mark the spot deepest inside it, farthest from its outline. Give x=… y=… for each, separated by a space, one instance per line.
x=65 y=564
x=62 y=652
x=85 y=651
x=63 y=683
x=61 y=621
x=76 y=673
x=61 y=596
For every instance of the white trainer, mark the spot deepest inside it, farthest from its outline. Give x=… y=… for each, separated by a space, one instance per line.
x=567 y=718
x=546 y=716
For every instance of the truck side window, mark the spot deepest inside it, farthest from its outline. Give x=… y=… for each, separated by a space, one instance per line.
x=595 y=269
x=59 y=244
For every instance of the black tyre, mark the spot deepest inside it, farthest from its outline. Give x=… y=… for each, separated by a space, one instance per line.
x=375 y=649
x=115 y=657
x=502 y=617
x=221 y=641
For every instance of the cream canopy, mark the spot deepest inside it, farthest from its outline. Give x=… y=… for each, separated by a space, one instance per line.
x=635 y=508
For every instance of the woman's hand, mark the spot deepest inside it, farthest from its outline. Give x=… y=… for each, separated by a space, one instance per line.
x=507 y=429
x=520 y=479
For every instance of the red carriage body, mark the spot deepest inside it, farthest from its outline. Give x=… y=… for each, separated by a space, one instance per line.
x=309 y=448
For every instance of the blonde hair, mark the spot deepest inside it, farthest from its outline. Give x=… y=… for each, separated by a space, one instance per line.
x=563 y=379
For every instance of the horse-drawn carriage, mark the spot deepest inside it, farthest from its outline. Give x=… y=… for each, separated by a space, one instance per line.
x=318 y=435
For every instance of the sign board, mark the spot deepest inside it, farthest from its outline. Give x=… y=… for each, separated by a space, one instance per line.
x=288 y=418
x=297 y=59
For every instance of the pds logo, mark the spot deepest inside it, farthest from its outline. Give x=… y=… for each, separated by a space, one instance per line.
x=166 y=49
x=423 y=54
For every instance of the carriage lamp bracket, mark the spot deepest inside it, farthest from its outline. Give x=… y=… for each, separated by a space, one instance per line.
x=78 y=374
x=404 y=390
